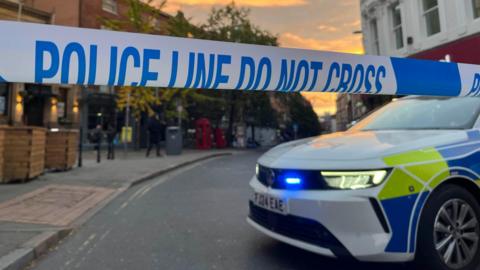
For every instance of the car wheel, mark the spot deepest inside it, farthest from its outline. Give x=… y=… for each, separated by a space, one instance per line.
x=449 y=231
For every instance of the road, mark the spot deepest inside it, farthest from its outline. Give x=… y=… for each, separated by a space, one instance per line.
x=190 y=219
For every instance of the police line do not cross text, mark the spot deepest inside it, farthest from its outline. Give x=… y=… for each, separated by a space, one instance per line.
x=36 y=53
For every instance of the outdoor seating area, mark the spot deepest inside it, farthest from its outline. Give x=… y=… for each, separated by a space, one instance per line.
x=25 y=152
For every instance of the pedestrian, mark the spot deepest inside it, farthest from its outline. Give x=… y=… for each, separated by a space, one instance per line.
x=155 y=128
x=95 y=137
x=111 y=134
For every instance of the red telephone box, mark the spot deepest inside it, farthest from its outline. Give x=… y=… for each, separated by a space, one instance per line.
x=203 y=133
x=220 y=141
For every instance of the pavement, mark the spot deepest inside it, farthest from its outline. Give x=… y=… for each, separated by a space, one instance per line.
x=192 y=218
x=35 y=216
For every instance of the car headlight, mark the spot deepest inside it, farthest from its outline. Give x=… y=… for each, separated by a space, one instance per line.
x=257 y=170
x=354 y=180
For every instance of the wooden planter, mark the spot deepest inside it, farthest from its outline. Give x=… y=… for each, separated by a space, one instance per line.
x=61 y=149
x=24 y=153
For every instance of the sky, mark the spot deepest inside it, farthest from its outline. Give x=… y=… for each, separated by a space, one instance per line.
x=307 y=24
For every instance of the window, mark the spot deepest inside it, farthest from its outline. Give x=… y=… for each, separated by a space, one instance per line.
x=375 y=40
x=109 y=5
x=424 y=113
x=4 y=99
x=397 y=25
x=431 y=16
x=476 y=8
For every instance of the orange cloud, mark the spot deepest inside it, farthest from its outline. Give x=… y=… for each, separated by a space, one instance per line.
x=172 y=7
x=327 y=28
x=250 y=3
x=356 y=23
x=348 y=44
x=323 y=103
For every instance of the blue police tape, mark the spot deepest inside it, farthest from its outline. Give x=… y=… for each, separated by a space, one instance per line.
x=36 y=53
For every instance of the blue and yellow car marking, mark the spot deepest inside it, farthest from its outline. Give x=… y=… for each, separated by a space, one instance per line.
x=417 y=173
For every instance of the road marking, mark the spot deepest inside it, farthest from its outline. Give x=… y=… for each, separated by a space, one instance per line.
x=142 y=191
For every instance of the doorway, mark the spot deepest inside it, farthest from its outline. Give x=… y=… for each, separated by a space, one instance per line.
x=34 y=104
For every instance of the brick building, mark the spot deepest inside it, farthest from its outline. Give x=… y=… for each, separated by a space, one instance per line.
x=88 y=13
x=31 y=104
x=64 y=105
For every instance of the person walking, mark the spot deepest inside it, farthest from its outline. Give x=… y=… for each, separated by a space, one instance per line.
x=111 y=134
x=95 y=136
x=154 y=127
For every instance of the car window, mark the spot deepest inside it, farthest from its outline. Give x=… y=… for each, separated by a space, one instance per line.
x=424 y=113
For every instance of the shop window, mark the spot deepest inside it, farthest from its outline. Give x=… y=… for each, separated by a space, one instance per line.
x=375 y=37
x=431 y=17
x=397 y=29
x=476 y=8
x=3 y=99
x=110 y=6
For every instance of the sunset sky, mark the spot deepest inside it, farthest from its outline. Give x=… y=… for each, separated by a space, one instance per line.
x=308 y=24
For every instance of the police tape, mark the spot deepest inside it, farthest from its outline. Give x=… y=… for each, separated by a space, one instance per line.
x=36 y=53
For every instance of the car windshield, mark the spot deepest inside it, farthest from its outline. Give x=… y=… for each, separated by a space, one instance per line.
x=424 y=113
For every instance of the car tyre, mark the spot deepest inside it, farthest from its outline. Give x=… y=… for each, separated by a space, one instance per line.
x=449 y=231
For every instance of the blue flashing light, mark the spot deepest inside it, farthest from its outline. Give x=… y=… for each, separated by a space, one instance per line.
x=293 y=180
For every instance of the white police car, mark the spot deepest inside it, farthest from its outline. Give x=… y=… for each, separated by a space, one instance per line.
x=401 y=185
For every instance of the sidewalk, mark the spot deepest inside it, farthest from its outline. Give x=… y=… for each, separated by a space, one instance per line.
x=36 y=215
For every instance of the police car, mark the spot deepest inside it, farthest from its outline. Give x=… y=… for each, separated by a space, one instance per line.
x=401 y=185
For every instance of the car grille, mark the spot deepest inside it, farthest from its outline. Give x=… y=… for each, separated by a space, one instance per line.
x=294 y=227
x=311 y=180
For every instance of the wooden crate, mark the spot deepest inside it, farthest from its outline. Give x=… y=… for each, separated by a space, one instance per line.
x=61 y=149
x=23 y=153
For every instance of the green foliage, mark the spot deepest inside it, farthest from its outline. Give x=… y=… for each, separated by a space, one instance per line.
x=143 y=17
x=259 y=111
x=231 y=23
x=180 y=26
x=303 y=115
x=140 y=100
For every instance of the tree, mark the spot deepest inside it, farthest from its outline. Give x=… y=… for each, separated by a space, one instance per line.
x=140 y=100
x=198 y=103
x=231 y=23
x=303 y=115
x=142 y=17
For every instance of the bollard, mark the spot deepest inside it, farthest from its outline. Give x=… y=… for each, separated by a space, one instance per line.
x=80 y=148
x=98 y=151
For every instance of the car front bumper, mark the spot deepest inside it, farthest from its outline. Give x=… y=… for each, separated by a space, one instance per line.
x=342 y=224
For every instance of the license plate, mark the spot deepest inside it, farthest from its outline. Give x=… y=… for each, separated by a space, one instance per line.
x=271 y=203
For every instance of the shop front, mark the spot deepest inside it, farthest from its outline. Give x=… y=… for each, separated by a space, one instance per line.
x=464 y=50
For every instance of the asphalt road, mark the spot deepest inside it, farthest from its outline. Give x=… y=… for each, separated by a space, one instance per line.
x=190 y=219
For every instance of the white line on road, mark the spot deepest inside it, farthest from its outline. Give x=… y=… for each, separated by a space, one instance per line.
x=158 y=181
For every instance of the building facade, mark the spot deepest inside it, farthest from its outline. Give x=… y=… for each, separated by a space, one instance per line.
x=97 y=105
x=52 y=106
x=439 y=30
